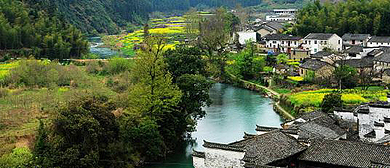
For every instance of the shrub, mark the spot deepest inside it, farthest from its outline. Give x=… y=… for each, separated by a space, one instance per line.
x=330 y=102
x=20 y=157
x=93 y=67
x=3 y=92
x=118 y=65
x=32 y=73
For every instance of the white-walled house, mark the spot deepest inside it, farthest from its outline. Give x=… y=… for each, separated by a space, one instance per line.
x=350 y=40
x=316 y=42
x=379 y=41
x=282 y=42
x=245 y=36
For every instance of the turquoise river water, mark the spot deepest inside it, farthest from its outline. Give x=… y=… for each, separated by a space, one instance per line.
x=233 y=112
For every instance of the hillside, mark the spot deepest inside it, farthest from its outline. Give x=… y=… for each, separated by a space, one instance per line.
x=107 y=16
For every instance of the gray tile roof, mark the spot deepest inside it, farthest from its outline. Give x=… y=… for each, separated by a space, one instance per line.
x=346 y=153
x=365 y=62
x=319 y=36
x=313 y=64
x=349 y=36
x=384 y=57
x=374 y=52
x=354 y=50
x=281 y=37
x=380 y=39
x=321 y=128
x=270 y=147
x=274 y=25
x=321 y=54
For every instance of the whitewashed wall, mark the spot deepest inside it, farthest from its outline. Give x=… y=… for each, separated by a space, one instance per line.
x=244 y=36
x=198 y=162
x=218 y=158
x=346 y=116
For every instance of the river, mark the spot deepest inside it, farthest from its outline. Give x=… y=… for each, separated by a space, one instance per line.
x=102 y=52
x=233 y=112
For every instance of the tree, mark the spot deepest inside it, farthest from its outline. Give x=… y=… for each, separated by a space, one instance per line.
x=330 y=102
x=185 y=60
x=282 y=58
x=84 y=134
x=365 y=77
x=215 y=33
x=189 y=73
x=153 y=94
x=345 y=76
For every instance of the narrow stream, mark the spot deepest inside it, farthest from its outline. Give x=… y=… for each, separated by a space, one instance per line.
x=233 y=112
x=102 y=52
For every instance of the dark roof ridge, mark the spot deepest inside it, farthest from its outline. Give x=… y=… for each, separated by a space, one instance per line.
x=198 y=154
x=265 y=128
x=223 y=146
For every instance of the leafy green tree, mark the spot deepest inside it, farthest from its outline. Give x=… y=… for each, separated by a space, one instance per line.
x=282 y=58
x=188 y=70
x=84 y=134
x=153 y=94
x=330 y=102
x=215 y=33
x=185 y=60
x=346 y=76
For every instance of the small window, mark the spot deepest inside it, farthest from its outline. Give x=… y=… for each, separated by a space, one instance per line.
x=325 y=42
x=294 y=52
x=309 y=42
x=315 y=41
x=315 y=50
x=295 y=43
x=305 y=41
x=339 y=41
x=361 y=41
x=282 y=42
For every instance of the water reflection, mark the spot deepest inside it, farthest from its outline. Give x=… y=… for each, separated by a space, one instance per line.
x=233 y=112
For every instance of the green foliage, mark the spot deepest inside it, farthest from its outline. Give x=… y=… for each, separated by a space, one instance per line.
x=349 y=16
x=188 y=71
x=28 y=31
x=330 y=102
x=346 y=76
x=246 y=64
x=195 y=94
x=33 y=73
x=309 y=77
x=118 y=65
x=84 y=134
x=185 y=60
x=20 y=157
x=282 y=58
x=215 y=33
x=153 y=93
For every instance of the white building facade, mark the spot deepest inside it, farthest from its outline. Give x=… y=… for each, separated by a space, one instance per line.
x=316 y=42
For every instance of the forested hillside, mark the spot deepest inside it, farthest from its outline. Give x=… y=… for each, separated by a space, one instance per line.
x=110 y=16
x=28 y=31
x=365 y=16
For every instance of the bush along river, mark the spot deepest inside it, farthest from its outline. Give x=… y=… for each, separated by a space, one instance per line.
x=233 y=112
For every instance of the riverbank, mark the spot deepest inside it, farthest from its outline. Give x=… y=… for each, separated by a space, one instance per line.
x=268 y=92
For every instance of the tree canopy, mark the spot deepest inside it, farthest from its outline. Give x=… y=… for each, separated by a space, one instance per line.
x=351 y=16
x=27 y=31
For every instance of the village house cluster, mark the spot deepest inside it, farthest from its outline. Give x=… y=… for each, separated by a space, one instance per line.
x=320 y=52
x=356 y=138
x=345 y=138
